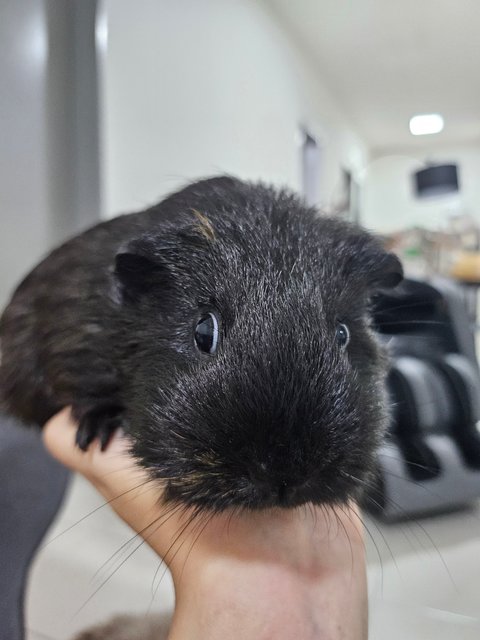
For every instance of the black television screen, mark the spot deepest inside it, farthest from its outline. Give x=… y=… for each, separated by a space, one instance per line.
x=436 y=180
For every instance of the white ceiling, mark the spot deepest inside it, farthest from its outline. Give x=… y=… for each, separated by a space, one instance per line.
x=386 y=60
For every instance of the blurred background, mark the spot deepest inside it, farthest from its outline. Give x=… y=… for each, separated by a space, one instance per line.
x=108 y=105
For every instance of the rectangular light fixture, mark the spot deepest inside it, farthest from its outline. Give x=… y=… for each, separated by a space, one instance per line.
x=426 y=124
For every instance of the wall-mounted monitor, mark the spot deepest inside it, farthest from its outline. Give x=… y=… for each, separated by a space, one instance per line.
x=436 y=180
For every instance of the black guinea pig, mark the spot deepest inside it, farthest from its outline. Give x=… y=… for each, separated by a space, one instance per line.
x=227 y=330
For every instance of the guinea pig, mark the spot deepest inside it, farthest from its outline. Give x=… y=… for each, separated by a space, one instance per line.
x=227 y=330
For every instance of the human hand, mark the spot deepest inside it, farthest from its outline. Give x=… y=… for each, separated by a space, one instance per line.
x=124 y=485
x=276 y=573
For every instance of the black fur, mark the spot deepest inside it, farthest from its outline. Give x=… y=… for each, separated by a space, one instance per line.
x=281 y=414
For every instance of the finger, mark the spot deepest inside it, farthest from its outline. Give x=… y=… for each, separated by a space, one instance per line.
x=59 y=437
x=114 y=472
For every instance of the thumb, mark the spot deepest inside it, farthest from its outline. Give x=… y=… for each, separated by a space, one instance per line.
x=59 y=438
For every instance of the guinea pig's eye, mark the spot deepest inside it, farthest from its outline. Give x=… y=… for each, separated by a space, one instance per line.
x=206 y=333
x=342 y=334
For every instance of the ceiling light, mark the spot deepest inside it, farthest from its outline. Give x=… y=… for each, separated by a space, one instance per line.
x=426 y=124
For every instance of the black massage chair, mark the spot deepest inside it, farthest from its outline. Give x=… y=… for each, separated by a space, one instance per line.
x=430 y=459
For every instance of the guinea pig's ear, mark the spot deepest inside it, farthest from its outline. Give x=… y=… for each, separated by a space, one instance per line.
x=387 y=272
x=138 y=269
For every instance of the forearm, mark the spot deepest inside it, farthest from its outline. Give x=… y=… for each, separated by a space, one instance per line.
x=263 y=602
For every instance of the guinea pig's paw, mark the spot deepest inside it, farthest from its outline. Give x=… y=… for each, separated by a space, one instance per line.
x=98 y=422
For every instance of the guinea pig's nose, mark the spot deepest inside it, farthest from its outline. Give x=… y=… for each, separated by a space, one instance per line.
x=288 y=492
x=284 y=491
x=293 y=492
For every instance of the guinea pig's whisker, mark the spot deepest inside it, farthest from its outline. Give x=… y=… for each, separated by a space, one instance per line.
x=407 y=306
x=415 y=322
x=414 y=482
x=182 y=529
x=113 y=472
x=419 y=336
x=315 y=516
x=308 y=507
x=377 y=548
x=370 y=535
x=305 y=509
x=347 y=514
x=426 y=403
x=154 y=486
x=408 y=463
x=382 y=535
x=104 y=582
x=155 y=587
x=178 y=534
x=91 y=513
x=145 y=538
x=341 y=524
x=233 y=512
x=409 y=523
x=197 y=532
x=327 y=514
x=126 y=546
x=164 y=518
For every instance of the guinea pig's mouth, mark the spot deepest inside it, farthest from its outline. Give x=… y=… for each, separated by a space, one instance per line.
x=286 y=494
x=267 y=493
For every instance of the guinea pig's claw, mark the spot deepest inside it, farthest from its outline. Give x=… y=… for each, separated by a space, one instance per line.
x=98 y=423
x=104 y=436
x=84 y=437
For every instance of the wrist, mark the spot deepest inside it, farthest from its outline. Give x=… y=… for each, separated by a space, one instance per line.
x=278 y=574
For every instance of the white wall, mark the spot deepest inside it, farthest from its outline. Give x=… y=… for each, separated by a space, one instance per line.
x=48 y=167
x=192 y=88
x=24 y=218
x=388 y=200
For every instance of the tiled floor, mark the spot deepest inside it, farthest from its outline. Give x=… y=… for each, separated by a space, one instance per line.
x=424 y=579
